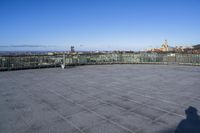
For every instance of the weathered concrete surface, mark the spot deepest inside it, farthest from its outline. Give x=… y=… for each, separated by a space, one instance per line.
x=98 y=99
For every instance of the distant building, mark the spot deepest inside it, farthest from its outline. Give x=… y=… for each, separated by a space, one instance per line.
x=164 y=48
x=72 y=49
x=178 y=49
x=50 y=53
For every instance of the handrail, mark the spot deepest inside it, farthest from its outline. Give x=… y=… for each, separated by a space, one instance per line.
x=17 y=62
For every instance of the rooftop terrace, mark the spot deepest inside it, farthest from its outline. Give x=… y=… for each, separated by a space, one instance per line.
x=98 y=99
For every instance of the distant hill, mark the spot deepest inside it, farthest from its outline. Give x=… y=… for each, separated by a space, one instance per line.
x=196 y=46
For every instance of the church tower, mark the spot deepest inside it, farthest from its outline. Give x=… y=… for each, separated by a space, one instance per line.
x=165 y=46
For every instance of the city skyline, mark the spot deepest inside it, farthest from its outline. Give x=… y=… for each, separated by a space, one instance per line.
x=97 y=25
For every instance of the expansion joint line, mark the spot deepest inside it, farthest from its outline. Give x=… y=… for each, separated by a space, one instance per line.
x=150 y=106
x=86 y=108
x=157 y=108
x=150 y=97
x=59 y=114
x=153 y=107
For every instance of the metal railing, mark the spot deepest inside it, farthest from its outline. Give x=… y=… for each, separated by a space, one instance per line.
x=42 y=61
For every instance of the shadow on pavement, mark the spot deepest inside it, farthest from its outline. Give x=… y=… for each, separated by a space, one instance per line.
x=192 y=122
x=189 y=125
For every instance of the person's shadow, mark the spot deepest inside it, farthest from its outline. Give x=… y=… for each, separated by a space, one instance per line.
x=192 y=122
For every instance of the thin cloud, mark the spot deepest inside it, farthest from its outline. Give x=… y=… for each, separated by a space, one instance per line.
x=21 y=46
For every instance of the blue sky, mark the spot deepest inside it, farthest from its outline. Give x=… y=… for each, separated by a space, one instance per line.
x=97 y=24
